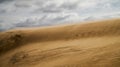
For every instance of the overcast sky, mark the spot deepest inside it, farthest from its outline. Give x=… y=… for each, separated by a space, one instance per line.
x=36 y=13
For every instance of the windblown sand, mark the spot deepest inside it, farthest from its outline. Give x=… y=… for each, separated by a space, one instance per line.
x=93 y=44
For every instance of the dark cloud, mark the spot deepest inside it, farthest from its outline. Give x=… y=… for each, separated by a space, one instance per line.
x=69 y=6
x=45 y=10
x=26 y=23
x=50 y=8
x=22 y=4
x=1 y=1
x=2 y=11
x=40 y=2
x=1 y=30
x=59 y=19
x=43 y=21
x=53 y=8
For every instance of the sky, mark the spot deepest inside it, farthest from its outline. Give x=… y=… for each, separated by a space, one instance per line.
x=37 y=13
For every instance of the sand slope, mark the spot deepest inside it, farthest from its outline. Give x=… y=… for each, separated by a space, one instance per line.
x=77 y=45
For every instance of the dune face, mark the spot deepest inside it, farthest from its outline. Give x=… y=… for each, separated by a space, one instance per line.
x=95 y=44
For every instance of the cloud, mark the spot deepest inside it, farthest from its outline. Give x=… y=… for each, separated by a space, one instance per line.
x=42 y=20
x=32 y=13
x=1 y=1
x=70 y=6
x=22 y=5
x=1 y=21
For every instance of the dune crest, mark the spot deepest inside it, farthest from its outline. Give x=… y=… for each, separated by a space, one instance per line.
x=94 y=44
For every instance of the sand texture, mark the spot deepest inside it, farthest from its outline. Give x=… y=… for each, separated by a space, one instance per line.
x=92 y=44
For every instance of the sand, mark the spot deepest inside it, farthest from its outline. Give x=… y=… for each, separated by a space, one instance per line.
x=91 y=44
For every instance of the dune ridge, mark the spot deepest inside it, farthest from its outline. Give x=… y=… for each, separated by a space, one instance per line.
x=96 y=39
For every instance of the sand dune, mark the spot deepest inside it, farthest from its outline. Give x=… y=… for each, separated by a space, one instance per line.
x=92 y=44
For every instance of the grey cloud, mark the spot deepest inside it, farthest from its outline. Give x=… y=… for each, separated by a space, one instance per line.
x=53 y=8
x=2 y=11
x=51 y=12
x=44 y=10
x=1 y=1
x=1 y=21
x=30 y=22
x=59 y=19
x=22 y=5
x=2 y=29
x=49 y=8
x=25 y=23
x=42 y=21
x=39 y=3
x=69 y=6
x=5 y=26
x=115 y=4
